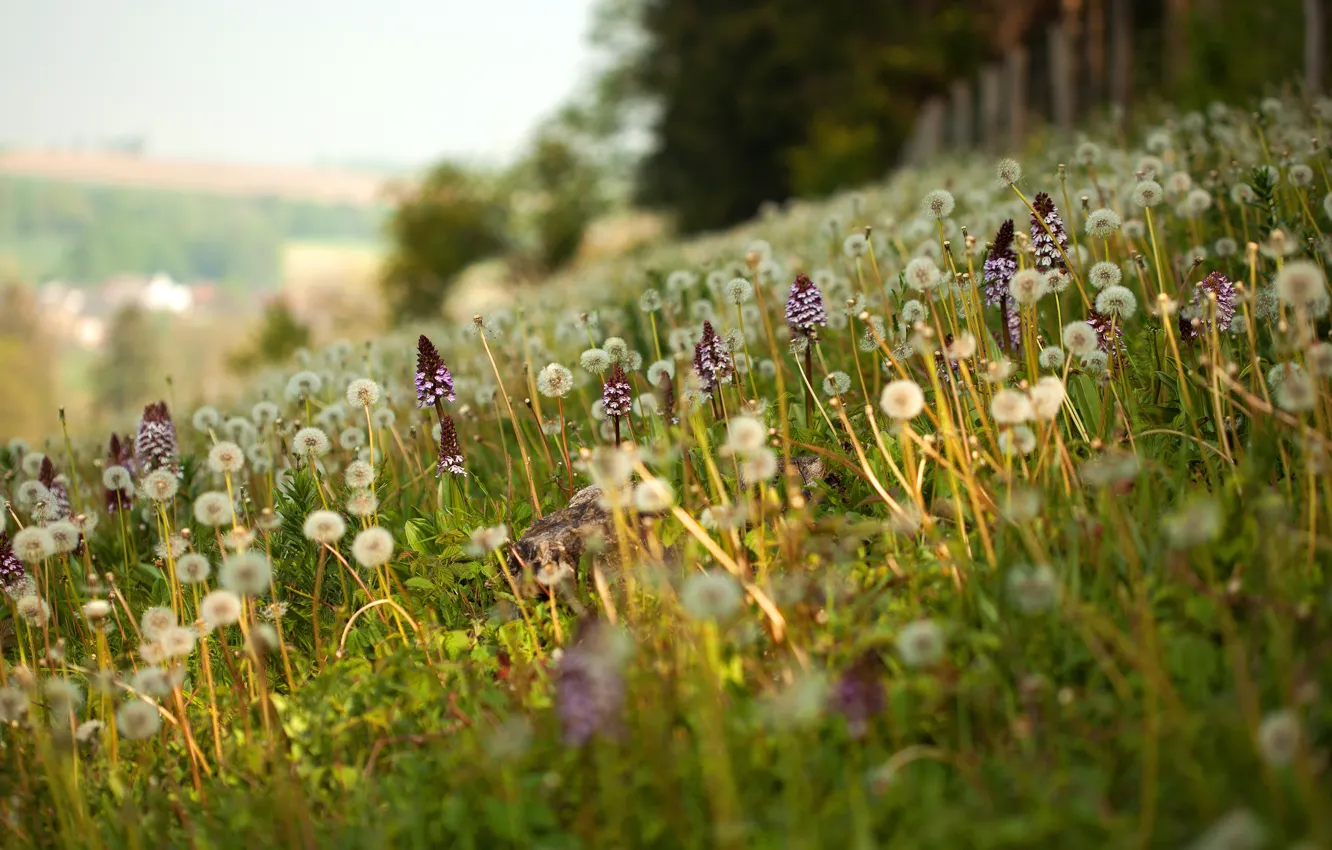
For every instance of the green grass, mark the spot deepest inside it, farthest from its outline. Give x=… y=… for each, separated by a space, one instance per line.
x=1114 y=634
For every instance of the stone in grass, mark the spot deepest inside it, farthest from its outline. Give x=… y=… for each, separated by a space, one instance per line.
x=812 y=470
x=557 y=541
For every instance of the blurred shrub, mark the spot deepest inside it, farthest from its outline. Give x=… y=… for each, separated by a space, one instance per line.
x=448 y=222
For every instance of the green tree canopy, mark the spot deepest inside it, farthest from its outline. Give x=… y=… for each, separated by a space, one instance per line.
x=447 y=223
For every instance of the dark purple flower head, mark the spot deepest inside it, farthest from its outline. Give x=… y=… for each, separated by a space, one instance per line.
x=804 y=306
x=712 y=359
x=11 y=569
x=1198 y=308
x=155 y=445
x=1048 y=256
x=450 y=453
x=59 y=495
x=434 y=383
x=589 y=685
x=859 y=695
x=616 y=394
x=119 y=454
x=1000 y=266
x=1111 y=345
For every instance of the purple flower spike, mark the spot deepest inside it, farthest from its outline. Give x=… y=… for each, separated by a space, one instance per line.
x=434 y=383
x=804 y=306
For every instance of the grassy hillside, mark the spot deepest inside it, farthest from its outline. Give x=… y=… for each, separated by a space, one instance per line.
x=84 y=232
x=911 y=528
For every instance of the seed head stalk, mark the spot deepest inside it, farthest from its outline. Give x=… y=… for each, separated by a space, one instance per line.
x=517 y=431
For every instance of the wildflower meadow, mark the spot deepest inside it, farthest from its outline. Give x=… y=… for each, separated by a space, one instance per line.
x=987 y=506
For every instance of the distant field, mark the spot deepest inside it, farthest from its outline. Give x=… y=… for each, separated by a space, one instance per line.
x=292 y=183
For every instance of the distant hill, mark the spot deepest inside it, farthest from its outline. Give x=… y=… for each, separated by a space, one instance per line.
x=320 y=185
x=64 y=219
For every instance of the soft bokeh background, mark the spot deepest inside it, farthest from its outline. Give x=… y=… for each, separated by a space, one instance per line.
x=189 y=191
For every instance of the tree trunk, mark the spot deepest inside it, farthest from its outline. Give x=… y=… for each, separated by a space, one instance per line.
x=1121 y=59
x=1096 y=62
x=1017 y=96
x=1315 y=35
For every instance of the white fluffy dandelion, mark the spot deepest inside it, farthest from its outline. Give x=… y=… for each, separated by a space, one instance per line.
x=226 y=457
x=1010 y=407
x=33 y=544
x=220 y=608
x=554 y=381
x=363 y=392
x=902 y=400
x=921 y=644
x=310 y=442
x=373 y=547
x=711 y=595
x=1117 y=302
x=138 y=720
x=213 y=508
x=326 y=527
x=160 y=485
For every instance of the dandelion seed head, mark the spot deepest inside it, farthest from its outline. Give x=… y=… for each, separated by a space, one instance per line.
x=1299 y=282
x=116 y=477
x=1117 y=302
x=213 y=508
x=64 y=536
x=359 y=475
x=304 y=385
x=206 y=419
x=921 y=644
x=937 y=204
x=177 y=641
x=362 y=503
x=745 y=435
x=33 y=544
x=264 y=414
x=310 y=442
x=156 y=620
x=1080 y=338
x=1010 y=407
x=712 y=595
x=1148 y=194
x=1103 y=223
x=220 y=608
x=193 y=568
x=1009 y=172
x=33 y=609
x=1033 y=589
x=1280 y=737
x=922 y=274
x=363 y=392
x=325 y=527
x=246 y=573
x=653 y=496
x=30 y=493
x=1028 y=286
x=373 y=547
x=836 y=383
x=595 y=360
x=488 y=539
x=902 y=400
x=137 y=720
x=1050 y=357
x=1193 y=524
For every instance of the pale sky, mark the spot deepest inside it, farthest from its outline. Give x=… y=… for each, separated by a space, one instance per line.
x=290 y=81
